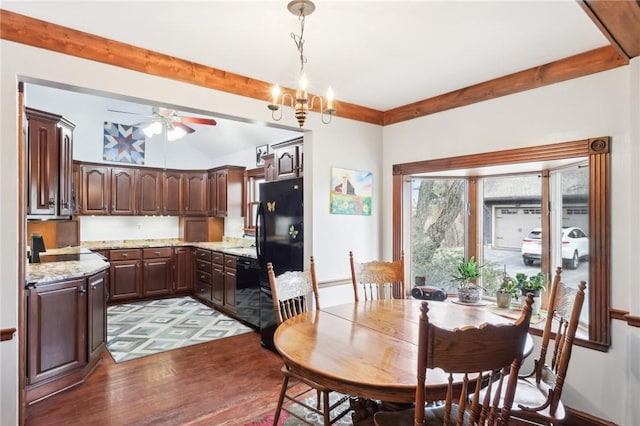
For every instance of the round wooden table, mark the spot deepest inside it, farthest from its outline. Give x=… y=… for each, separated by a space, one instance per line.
x=369 y=348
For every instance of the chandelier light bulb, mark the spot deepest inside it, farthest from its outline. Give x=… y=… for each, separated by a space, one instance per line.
x=301 y=103
x=330 y=98
x=275 y=94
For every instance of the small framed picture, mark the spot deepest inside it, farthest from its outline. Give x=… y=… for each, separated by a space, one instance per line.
x=261 y=151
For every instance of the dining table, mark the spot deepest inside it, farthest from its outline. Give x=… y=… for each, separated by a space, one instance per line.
x=369 y=348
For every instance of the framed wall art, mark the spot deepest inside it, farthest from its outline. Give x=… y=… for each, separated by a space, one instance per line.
x=261 y=151
x=351 y=192
x=123 y=143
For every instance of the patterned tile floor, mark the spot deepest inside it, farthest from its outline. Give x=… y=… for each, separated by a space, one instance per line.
x=145 y=328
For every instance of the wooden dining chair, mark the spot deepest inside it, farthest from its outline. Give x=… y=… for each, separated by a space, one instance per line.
x=291 y=292
x=378 y=279
x=488 y=356
x=538 y=395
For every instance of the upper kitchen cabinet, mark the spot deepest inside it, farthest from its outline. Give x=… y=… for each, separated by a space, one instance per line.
x=150 y=192
x=195 y=193
x=50 y=176
x=172 y=193
x=95 y=188
x=288 y=159
x=123 y=191
x=225 y=194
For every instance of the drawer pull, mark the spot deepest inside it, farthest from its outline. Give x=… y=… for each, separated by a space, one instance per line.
x=157 y=253
x=125 y=255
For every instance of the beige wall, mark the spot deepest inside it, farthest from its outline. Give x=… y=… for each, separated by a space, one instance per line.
x=343 y=143
x=603 y=104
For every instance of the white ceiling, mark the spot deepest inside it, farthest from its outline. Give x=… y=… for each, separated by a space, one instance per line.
x=377 y=54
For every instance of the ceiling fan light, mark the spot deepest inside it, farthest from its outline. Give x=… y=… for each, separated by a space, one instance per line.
x=175 y=133
x=154 y=128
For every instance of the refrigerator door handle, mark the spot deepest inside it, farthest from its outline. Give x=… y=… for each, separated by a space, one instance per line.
x=261 y=236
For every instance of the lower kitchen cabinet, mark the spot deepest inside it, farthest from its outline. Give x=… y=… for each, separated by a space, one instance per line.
x=66 y=330
x=203 y=278
x=182 y=269
x=57 y=329
x=217 y=279
x=230 y=282
x=157 y=271
x=97 y=286
x=125 y=274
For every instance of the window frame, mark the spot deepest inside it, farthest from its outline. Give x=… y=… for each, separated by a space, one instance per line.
x=597 y=150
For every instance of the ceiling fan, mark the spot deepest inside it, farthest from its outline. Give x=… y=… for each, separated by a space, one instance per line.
x=169 y=120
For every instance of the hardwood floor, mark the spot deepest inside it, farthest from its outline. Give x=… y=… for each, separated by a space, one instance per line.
x=229 y=381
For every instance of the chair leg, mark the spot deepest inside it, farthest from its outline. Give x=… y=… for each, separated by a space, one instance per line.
x=283 y=391
x=326 y=412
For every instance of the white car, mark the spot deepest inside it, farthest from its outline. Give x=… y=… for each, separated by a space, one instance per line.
x=575 y=247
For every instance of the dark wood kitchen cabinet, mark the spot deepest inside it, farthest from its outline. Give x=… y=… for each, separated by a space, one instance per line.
x=195 y=193
x=203 y=269
x=172 y=193
x=125 y=274
x=288 y=160
x=66 y=331
x=157 y=271
x=183 y=269
x=95 y=188
x=97 y=286
x=150 y=192
x=217 y=279
x=123 y=191
x=50 y=176
x=226 y=191
x=230 y=282
x=57 y=324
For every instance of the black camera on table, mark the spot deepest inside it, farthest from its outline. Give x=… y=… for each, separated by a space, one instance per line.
x=429 y=293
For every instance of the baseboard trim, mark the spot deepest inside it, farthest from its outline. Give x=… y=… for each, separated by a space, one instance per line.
x=579 y=418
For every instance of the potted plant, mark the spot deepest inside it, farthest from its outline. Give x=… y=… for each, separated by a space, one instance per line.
x=531 y=284
x=507 y=291
x=466 y=274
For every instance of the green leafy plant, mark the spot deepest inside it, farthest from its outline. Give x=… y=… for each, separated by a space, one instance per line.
x=533 y=283
x=466 y=272
x=509 y=286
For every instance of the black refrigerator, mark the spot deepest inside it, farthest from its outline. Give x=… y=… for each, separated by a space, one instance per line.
x=279 y=240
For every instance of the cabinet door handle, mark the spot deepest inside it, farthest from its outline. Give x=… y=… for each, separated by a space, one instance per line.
x=82 y=290
x=52 y=201
x=93 y=286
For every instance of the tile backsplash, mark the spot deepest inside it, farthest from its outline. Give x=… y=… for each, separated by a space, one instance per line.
x=107 y=228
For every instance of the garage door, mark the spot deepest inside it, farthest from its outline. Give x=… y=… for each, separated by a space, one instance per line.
x=512 y=224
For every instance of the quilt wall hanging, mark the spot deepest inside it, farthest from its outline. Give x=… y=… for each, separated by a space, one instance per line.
x=123 y=143
x=351 y=192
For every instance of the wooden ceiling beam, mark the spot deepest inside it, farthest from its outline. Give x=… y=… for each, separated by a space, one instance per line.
x=45 y=35
x=34 y=32
x=619 y=21
x=591 y=62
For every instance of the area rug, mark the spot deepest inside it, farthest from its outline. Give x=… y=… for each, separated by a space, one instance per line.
x=145 y=328
x=288 y=420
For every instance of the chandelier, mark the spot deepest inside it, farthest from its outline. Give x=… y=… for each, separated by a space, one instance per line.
x=301 y=103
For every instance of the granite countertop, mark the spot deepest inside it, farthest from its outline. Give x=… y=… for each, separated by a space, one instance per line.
x=230 y=247
x=75 y=262
x=87 y=264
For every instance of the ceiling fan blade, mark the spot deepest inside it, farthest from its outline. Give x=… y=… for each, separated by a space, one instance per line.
x=129 y=112
x=184 y=127
x=195 y=120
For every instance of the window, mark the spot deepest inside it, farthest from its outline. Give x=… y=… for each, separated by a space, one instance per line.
x=573 y=197
x=252 y=180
